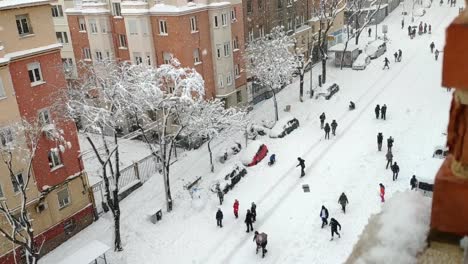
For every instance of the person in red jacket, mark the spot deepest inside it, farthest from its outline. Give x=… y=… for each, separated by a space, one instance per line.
x=382 y=192
x=236 y=208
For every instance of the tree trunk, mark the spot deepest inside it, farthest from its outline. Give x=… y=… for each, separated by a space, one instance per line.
x=301 y=84
x=276 y=104
x=211 y=156
x=117 y=239
x=324 y=69
x=168 y=188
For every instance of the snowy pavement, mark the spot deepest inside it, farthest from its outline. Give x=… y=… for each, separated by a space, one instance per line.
x=417 y=116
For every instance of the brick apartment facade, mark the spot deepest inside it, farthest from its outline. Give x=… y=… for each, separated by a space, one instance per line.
x=31 y=72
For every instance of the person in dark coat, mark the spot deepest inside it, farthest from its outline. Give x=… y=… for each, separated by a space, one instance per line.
x=396 y=56
x=324 y=216
x=436 y=53
x=400 y=53
x=253 y=210
x=389 y=157
x=409 y=30
x=386 y=63
x=334 y=227
x=327 y=131
x=236 y=208
x=369 y=31
x=333 y=127
x=322 y=120
x=430 y=29
x=432 y=46
x=379 y=141
x=352 y=106
x=343 y=200
x=395 y=170
x=261 y=239
x=425 y=28
x=389 y=143
x=220 y=195
x=219 y=218
x=383 y=112
x=248 y=221
x=402 y=23
x=413 y=182
x=302 y=164
x=377 y=111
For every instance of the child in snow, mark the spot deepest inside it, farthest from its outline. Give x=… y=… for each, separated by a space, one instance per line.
x=382 y=192
x=324 y=216
x=236 y=208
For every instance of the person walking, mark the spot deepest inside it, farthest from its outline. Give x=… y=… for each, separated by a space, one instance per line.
x=389 y=143
x=400 y=54
x=402 y=23
x=377 y=111
x=253 y=210
x=369 y=31
x=324 y=216
x=382 y=192
x=436 y=53
x=220 y=195
x=334 y=228
x=395 y=170
x=302 y=164
x=383 y=112
x=236 y=208
x=432 y=46
x=248 y=221
x=333 y=127
x=327 y=131
x=379 y=141
x=343 y=200
x=425 y=28
x=322 y=120
x=396 y=56
x=387 y=63
x=409 y=30
x=413 y=182
x=389 y=157
x=219 y=218
x=261 y=239
x=430 y=29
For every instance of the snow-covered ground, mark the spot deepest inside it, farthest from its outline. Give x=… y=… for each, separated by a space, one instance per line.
x=417 y=116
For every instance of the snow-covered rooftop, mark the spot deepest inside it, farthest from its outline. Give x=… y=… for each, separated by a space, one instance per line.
x=87 y=254
x=341 y=46
x=191 y=7
x=24 y=53
x=8 y=4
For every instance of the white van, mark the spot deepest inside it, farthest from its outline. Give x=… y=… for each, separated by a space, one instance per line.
x=376 y=48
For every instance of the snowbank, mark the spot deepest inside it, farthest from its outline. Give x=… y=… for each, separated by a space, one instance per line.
x=250 y=151
x=398 y=233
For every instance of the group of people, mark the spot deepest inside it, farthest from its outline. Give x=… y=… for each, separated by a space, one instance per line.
x=436 y=52
x=381 y=112
x=327 y=126
x=452 y=3
x=398 y=55
x=334 y=224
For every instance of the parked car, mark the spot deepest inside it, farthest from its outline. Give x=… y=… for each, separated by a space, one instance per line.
x=440 y=152
x=229 y=177
x=190 y=141
x=376 y=48
x=330 y=91
x=254 y=153
x=283 y=127
x=256 y=130
x=228 y=152
x=361 y=61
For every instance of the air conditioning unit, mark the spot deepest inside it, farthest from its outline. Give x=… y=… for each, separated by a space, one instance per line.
x=41 y=206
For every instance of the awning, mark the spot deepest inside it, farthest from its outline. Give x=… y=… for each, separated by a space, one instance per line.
x=87 y=254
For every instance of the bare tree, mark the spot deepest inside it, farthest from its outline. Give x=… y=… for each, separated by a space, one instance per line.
x=271 y=60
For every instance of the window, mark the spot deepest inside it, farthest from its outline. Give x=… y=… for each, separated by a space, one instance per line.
x=23 y=25
x=44 y=117
x=63 y=198
x=17 y=182
x=193 y=24
x=224 y=19
x=218 y=51
x=108 y=55
x=98 y=55
x=116 y=9
x=87 y=53
x=137 y=57
x=239 y=96
x=34 y=71
x=57 y=11
x=82 y=24
x=144 y=27
x=67 y=64
x=220 y=80
x=62 y=37
x=123 y=41
x=69 y=226
x=251 y=35
x=6 y=136
x=104 y=27
x=229 y=79
x=167 y=57
x=249 y=6
x=93 y=26
x=233 y=14
x=132 y=27
x=237 y=70
x=216 y=21
x=148 y=58
x=261 y=31
x=54 y=158
x=2 y=89
x=235 y=43
x=196 y=56
x=227 y=49
x=162 y=27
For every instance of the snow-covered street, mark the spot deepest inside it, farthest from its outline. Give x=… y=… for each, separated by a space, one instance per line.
x=349 y=162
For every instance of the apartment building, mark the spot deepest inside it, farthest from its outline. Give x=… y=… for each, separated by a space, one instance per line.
x=204 y=34
x=31 y=71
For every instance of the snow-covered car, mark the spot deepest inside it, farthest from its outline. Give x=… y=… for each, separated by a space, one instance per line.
x=190 y=141
x=329 y=92
x=256 y=130
x=376 y=48
x=229 y=177
x=283 y=127
x=228 y=152
x=254 y=153
x=440 y=152
x=361 y=61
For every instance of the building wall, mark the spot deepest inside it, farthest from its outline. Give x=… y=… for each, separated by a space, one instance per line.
x=79 y=40
x=100 y=41
x=118 y=28
x=142 y=42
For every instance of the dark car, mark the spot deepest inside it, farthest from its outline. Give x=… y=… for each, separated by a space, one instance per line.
x=231 y=178
x=333 y=89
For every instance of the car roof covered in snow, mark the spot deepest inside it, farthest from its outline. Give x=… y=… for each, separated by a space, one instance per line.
x=87 y=254
x=250 y=151
x=279 y=126
x=341 y=46
x=376 y=43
